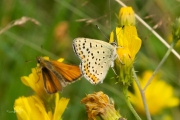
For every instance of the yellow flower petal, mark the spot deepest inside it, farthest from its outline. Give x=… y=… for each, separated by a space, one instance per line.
x=31 y=109
x=60 y=106
x=60 y=60
x=159 y=95
x=34 y=81
x=126 y=16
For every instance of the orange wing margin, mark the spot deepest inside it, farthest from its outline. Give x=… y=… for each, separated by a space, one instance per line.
x=69 y=72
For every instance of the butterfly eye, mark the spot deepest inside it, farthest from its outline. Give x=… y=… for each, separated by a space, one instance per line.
x=39 y=60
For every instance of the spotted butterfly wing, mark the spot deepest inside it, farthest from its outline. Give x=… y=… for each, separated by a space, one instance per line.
x=96 y=57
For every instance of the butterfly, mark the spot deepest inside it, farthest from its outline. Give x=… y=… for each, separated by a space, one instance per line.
x=57 y=75
x=96 y=58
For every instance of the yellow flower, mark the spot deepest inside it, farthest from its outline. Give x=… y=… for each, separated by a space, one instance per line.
x=42 y=105
x=34 y=81
x=33 y=108
x=128 y=45
x=126 y=16
x=128 y=42
x=159 y=95
x=98 y=104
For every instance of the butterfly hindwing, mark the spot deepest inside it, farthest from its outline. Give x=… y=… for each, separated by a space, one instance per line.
x=96 y=58
x=51 y=82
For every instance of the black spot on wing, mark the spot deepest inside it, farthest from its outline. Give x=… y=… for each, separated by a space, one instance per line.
x=90 y=45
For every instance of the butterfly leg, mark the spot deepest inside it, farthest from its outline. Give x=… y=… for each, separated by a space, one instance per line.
x=114 y=70
x=112 y=66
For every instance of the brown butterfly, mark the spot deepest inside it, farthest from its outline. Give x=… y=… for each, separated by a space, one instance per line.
x=57 y=75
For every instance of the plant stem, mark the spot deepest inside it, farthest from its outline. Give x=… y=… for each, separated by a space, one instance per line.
x=142 y=91
x=125 y=91
x=160 y=64
x=148 y=115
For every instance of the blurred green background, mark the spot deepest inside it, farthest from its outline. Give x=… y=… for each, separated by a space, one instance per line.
x=61 y=22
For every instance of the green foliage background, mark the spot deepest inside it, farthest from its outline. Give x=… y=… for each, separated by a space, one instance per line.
x=23 y=43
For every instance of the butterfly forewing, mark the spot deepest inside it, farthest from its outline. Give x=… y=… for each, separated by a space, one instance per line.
x=51 y=82
x=68 y=72
x=96 y=58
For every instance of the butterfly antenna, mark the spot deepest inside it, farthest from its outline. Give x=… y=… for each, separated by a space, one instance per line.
x=42 y=48
x=110 y=13
x=102 y=32
x=28 y=61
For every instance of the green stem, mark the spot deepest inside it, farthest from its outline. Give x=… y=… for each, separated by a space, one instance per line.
x=160 y=64
x=148 y=115
x=125 y=91
x=142 y=91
